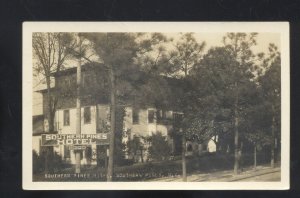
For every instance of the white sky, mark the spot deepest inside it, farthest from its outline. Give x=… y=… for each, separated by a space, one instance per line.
x=215 y=39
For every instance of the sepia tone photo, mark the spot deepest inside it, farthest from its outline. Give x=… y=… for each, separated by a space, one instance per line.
x=149 y=108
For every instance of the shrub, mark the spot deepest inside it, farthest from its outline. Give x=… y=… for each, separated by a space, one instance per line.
x=55 y=162
x=159 y=148
x=37 y=163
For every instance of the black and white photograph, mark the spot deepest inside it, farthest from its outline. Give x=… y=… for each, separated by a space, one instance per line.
x=178 y=105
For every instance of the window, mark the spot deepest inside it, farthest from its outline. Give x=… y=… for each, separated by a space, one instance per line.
x=160 y=116
x=168 y=115
x=66 y=117
x=87 y=115
x=177 y=117
x=150 y=116
x=189 y=148
x=135 y=116
x=84 y=80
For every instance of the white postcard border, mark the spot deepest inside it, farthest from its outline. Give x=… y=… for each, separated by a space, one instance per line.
x=213 y=27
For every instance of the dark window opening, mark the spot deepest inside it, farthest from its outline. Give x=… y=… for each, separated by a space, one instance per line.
x=135 y=116
x=161 y=116
x=189 y=148
x=177 y=118
x=67 y=153
x=66 y=117
x=150 y=116
x=87 y=115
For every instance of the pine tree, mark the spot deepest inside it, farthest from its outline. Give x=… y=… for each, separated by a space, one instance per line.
x=239 y=45
x=271 y=88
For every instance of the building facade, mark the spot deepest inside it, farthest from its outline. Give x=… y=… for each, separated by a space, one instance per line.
x=95 y=114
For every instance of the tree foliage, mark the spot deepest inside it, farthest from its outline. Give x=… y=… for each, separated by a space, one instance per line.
x=229 y=92
x=188 y=53
x=159 y=148
x=50 y=51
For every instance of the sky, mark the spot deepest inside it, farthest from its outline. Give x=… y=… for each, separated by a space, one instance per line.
x=215 y=39
x=211 y=39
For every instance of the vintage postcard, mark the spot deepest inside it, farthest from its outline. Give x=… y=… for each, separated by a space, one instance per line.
x=156 y=105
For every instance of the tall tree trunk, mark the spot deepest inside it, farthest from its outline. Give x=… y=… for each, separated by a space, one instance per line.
x=184 y=177
x=47 y=160
x=214 y=139
x=106 y=157
x=142 y=157
x=50 y=103
x=112 y=127
x=236 y=134
x=50 y=123
x=78 y=115
x=240 y=156
x=273 y=139
x=119 y=121
x=255 y=163
x=97 y=119
x=277 y=148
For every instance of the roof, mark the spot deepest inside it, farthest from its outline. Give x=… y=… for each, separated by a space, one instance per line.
x=169 y=87
x=72 y=70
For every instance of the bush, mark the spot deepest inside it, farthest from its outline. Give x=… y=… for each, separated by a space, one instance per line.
x=126 y=162
x=55 y=163
x=159 y=148
x=207 y=163
x=37 y=163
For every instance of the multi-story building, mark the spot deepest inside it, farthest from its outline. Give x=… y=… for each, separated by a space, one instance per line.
x=95 y=112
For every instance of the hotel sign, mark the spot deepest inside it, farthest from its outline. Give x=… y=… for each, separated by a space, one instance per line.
x=73 y=139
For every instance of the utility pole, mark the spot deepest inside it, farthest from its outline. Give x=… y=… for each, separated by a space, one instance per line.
x=78 y=108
